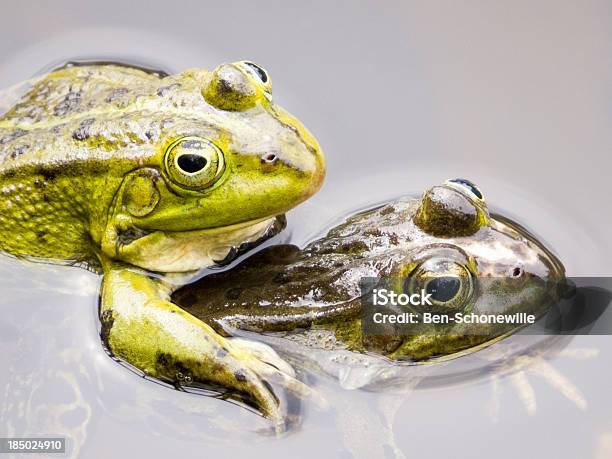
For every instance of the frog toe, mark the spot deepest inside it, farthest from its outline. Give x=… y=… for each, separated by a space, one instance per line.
x=272 y=382
x=271 y=392
x=264 y=353
x=278 y=373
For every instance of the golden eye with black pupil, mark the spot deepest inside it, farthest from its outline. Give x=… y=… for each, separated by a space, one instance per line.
x=194 y=163
x=443 y=289
x=448 y=282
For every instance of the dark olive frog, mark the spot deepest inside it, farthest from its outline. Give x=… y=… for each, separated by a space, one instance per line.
x=446 y=244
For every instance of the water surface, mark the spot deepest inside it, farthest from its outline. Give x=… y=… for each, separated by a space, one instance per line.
x=511 y=96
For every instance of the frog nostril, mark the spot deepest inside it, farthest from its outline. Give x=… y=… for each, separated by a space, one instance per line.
x=517 y=272
x=269 y=158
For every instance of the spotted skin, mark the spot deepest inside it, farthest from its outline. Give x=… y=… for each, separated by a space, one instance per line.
x=90 y=174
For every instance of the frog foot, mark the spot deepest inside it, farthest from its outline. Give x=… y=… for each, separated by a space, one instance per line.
x=276 y=374
x=141 y=326
x=288 y=379
x=264 y=353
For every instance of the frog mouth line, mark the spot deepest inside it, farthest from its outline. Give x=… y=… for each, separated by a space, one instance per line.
x=131 y=235
x=183 y=251
x=279 y=224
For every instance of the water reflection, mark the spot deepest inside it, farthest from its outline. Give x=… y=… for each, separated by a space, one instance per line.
x=59 y=381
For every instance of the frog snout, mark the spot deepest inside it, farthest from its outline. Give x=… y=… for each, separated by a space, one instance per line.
x=563 y=287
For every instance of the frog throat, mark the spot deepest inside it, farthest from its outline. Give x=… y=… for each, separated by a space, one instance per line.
x=184 y=251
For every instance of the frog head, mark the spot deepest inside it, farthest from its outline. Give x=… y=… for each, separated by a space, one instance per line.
x=225 y=163
x=470 y=261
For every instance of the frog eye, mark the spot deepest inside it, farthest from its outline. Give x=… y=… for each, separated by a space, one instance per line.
x=237 y=87
x=194 y=163
x=259 y=73
x=443 y=288
x=452 y=210
x=448 y=282
x=466 y=185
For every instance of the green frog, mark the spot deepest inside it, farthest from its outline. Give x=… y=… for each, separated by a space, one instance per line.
x=147 y=178
x=445 y=243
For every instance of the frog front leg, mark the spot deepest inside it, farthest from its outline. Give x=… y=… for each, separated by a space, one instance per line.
x=143 y=327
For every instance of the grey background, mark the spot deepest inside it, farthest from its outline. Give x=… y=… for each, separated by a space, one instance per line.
x=514 y=95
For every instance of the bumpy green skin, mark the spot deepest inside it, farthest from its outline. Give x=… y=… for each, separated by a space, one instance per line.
x=313 y=295
x=86 y=177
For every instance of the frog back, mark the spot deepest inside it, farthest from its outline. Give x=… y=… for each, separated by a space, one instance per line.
x=53 y=121
x=64 y=145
